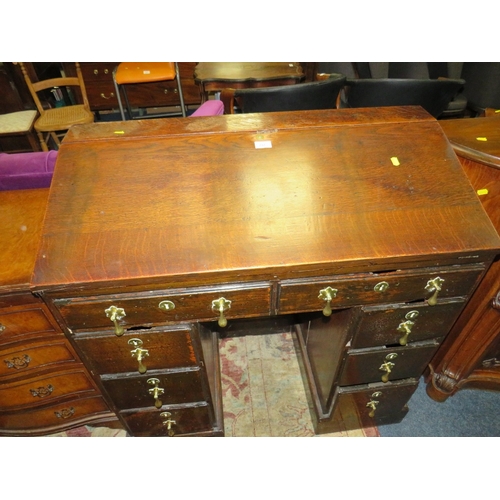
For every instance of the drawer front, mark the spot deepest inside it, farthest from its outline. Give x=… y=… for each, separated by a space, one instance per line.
x=143 y=309
x=402 y=286
x=53 y=416
x=38 y=390
x=138 y=392
x=378 y=404
x=35 y=356
x=379 y=365
x=168 y=348
x=22 y=320
x=194 y=419
x=400 y=324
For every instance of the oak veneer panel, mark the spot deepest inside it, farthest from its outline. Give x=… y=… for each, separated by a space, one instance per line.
x=204 y=203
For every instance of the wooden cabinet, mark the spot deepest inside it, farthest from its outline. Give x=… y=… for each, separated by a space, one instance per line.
x=358 y=228
x=101 y=90
x=470 y=356
x=44 y=387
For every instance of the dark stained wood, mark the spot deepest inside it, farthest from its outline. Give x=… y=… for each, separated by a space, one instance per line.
x=470 y=356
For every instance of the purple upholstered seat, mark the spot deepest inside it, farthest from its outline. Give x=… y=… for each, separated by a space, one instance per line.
x=26 y=170
x=210 y=108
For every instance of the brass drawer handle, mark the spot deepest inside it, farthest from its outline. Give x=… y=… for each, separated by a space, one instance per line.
x=139 y=353
x=373 y=403
x=115 y=314
x=387 y=366
x=65 y=413
x=18 y=362
x=169 y=422
x=2 y=328
x=434 y=286
x=405 y=328
x=327 y=294
x=221 y=306
x=156 y=391
x=110 y=95
x=42 y=392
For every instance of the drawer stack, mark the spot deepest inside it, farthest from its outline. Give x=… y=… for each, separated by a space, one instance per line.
x=364 y=354
x=43 y=386
x=157 y=365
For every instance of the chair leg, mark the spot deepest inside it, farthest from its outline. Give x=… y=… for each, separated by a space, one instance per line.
x=179 y=88
x=42 y=141
x=118 y=97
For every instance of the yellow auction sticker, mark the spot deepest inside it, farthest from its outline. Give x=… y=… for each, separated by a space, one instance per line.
x=395 y=161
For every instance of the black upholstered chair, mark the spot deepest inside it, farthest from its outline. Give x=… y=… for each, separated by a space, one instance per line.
x=320 y=94
x=433 y=95
x=483 y=86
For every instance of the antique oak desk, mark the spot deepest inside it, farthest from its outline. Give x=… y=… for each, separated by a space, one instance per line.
x=215 y=76
x=357 y=228
x=470 y=357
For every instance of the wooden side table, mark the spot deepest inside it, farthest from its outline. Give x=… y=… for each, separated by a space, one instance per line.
x=215 y=76
x=470 y=356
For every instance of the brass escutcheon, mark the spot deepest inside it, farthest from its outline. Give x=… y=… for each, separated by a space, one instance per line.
x=381 y=287
x=166 y=305
x=328 y=294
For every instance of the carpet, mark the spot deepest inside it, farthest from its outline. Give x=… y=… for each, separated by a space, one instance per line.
x=262 y=392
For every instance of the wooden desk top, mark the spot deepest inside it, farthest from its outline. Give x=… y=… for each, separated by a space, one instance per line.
x=467 y=136
x=245 y=71
x=259 y=196
x=21 y=220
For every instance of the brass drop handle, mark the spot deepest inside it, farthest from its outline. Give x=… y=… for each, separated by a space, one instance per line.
x=327 y=294
x=169 y=422
x=221 y=306
x=2 y=328
x=434 y=286
x=138 y=353
x=115 y=314
x=156 y=391
x=18 y=362
x=387 y=366
x=373 y=403
x=110 y=95
x=405 y=328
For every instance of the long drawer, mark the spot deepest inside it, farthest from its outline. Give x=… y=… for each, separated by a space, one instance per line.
x=35 y=355
x=55 y=416
x=166 y=306
x=175 y=387
x=24 y=320
x=38 y=390
x=303 y=295
x=171 y=347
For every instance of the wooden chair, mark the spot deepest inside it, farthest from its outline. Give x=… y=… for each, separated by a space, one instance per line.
x=320 y=94
x=53 y=121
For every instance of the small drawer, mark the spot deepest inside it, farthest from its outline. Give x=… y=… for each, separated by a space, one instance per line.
x=37 y=355
x=53 y=417
x=172 y=347
x=38 y=390
x=368 y=406
x=185 y=420
x=178 y=387
x=398 y=286
x=165 y=306
x=365 y=366
x=401 y=324
x=22 y=320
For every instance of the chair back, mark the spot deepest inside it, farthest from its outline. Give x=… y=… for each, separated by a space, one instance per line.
x=483 y=85
x=432 y=95
x=301 y=96
x=61 y=82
